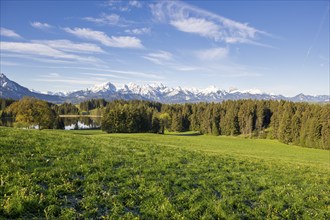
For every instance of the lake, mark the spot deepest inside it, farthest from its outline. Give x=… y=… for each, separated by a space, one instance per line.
x=75 y=123
x=70 y=122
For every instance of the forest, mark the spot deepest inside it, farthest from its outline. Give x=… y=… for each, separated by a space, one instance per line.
x=303 y=124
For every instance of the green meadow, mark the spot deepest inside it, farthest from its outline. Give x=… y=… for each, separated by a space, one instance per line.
x=55 y=174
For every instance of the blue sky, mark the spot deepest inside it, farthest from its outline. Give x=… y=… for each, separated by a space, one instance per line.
x=280 y=47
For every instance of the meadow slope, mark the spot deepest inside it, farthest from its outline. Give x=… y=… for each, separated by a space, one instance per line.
x=90 y=174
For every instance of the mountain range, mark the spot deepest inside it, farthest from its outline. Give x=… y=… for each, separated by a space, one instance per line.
x=151 y=92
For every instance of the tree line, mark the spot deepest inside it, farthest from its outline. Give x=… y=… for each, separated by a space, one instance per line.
x=303 y=124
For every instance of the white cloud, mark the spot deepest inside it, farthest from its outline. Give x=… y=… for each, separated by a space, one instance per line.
x=9 y=33
x=74 y=81
x=123 y=6
x=66 y=45
x=31 y=48
x=230 y=69
x=138 y=31
x=7 y=63
x=186 y=68
x=109 y=70
x=190 y=19
x=121 y=41
x=105 y=75
x=54 y=74
x=135 y=73
x=213 y=53
x=24 y=50
x=323 y=58
x=135 y=3
x=105 y=19
x=198 y=26
x=159 y=57
x=40 y=25
x=44 y=59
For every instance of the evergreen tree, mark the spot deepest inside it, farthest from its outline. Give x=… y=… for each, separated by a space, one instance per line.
x=177 y=124
x=285 y=129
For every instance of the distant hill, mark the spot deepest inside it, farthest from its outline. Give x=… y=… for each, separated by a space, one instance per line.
x=151 y=92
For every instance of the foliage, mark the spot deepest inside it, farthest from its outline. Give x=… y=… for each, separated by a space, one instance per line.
x=4 y=103
x=130 y=117
x=89 y=175
x=66 y=109
x=298 y=123
x=92 y=104
x=301 y=124
x=31 y=112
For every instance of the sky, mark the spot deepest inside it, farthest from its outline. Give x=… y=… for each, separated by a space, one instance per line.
x=279 y=47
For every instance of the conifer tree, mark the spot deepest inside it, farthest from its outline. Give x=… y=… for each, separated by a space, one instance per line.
x=285 y=129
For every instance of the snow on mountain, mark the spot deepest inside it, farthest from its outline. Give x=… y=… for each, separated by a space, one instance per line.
x=151 y=92
x=249 y=91
x=209 y=90
x=11 y=89
x=58 y=93
x=252 y=91
x=103 y=88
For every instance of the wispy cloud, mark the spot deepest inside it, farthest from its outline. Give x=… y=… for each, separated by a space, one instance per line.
x=69 y=46
x=112 y=71
x=323 y=58
x=74 y=81
x=159 y=57
x=137 y=74
x=135 y=3
x=233 y=70
x=43 y=59
x=104 y=19
x=105 y=75
x=40 y=25
x=138 y=31
x=9 y=33
x=7 y=63
x=123 y=6
x=24 y=50
x=190 y=19
x=186 y=68
x=213 y=53
x=198 y=26
x=120 y=41
x=31 y=48
x=54 y=74
x=60 y=78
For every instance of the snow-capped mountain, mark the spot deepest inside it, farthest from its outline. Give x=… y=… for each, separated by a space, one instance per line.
x=151 y=92
x=11 y=89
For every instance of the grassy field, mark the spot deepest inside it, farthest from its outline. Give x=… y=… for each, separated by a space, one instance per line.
x=90 y=174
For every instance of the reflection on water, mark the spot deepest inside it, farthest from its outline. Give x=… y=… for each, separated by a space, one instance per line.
x=70 y=123
x=75 y=123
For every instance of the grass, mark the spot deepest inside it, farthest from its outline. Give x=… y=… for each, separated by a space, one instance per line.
x=90 y=174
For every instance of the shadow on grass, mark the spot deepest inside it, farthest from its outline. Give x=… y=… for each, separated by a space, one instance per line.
x=87 y=132
x=185 y=134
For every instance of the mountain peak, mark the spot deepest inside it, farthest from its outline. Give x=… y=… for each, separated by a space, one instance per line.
x=152 y=92
x=210 y=89
x=3 y=78
x=252 y=91
x=103 y=87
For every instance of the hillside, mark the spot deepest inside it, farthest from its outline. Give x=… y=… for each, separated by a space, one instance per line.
x=89 y=174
